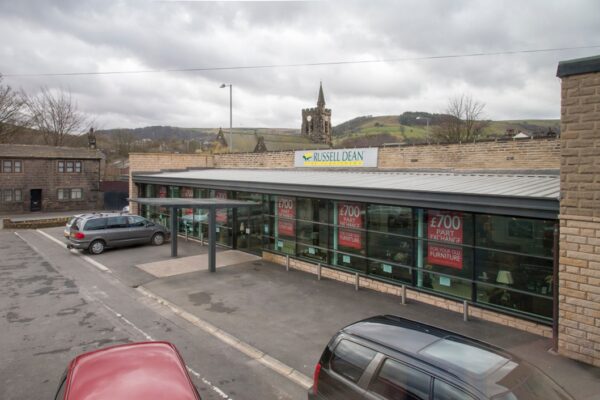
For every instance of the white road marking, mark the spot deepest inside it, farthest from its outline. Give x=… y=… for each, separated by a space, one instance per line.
x=95 y=263
x=249 y=350
x=214 y=388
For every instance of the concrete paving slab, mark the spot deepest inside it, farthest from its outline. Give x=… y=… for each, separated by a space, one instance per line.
x=290 y=316
x=184 y=265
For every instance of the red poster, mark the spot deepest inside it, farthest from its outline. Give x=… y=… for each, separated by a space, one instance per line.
x=445 y=226
x=286 y=208
x=221 y=216
x=162 y=192
x=187 y=193
x=350 y=215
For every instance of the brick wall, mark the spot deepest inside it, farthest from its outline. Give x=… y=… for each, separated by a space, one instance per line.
x=450 y=305
x=579 y=269
x=515 y=154
x=154 y=162
x=43 y=174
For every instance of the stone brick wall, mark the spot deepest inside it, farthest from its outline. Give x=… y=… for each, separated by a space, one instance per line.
x=515 y=154
x=43 y=174
x=539 y=154
x=450 y=305
x=579 y=270
x=35 y=224
x=154 y=162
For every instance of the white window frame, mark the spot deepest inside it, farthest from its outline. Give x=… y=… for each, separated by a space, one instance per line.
x=76 y=190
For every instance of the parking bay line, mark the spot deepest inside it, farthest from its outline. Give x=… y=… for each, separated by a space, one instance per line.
x=95 y=263
x=252 y=352
x=249 y=350
x=120 y=316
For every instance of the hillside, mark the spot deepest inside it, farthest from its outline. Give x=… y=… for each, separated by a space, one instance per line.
x=411 y=127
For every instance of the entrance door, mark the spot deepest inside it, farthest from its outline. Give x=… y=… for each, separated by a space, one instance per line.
x=36 y=199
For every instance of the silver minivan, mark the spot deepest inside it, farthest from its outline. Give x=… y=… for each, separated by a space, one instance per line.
x=96 y=232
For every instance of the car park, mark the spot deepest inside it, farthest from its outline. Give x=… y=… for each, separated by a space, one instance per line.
x=147 y=370
x=389 y=357
x=96 y=232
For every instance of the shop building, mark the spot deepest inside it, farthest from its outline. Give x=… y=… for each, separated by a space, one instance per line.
x=510 y=227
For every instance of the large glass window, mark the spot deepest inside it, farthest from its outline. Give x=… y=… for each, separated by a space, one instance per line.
x=390 y=239
x=224 y=218
x=349 y=235
x=313 y=229
x=283 y=223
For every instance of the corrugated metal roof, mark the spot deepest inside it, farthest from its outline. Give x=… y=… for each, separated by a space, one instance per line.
x=509 y=185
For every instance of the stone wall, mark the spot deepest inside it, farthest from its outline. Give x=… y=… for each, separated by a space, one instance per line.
x=154 y=162
x=579 y=269
x=450 y=305
x=40 y=173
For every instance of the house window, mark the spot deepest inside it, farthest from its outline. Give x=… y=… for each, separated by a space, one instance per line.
x=18 y=166
x=7 y=166
x=18 y=195
x=63 y=194
x=70 y=194
x=8 y=195
x=76 y=194
x=70 y=166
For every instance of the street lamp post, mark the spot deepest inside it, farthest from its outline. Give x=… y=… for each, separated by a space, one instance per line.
x=223 y=85
x=427 y=119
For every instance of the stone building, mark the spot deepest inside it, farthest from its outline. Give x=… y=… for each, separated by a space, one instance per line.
x=48 y=178
x=316 y=122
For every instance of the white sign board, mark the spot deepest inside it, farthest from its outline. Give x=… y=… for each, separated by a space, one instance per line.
x=343 y=158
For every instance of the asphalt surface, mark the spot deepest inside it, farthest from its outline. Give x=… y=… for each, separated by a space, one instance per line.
x=54 y=305
x=288 y=315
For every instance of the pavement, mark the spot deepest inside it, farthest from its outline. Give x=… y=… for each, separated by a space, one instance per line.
x=265 y=311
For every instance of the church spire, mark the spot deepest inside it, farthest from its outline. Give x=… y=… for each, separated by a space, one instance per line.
x=321 y=100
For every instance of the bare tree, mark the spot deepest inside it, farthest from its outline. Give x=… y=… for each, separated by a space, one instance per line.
x=463 y=121
x=11 y=112
x=55 y=115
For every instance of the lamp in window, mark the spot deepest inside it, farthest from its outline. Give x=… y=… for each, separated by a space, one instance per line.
x=505 y=277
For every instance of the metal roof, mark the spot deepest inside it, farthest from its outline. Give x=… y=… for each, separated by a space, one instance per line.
x=513 y=194
x=193 y=203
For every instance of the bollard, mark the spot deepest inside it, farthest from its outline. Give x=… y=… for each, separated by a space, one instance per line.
x=356 y=281
x=403 y=295
x=465 y=311
x=287 y=262
x=201 y=237
x=319 y=271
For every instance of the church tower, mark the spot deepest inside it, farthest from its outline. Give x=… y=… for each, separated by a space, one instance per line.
x=316 y=122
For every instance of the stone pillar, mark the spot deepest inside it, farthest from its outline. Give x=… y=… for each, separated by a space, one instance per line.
x=579 y=262
x=133 y=193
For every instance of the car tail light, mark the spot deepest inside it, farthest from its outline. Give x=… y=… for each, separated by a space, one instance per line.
x=79 y=235
x=316 y=378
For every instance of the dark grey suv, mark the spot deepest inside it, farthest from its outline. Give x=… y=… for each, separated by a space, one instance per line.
x=95 y=232
x=394 y=358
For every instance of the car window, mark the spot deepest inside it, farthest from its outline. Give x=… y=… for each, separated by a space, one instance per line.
x=350 y=359
x=116 y=222
x=397 y=381
x=137 y=221
x=444 y=391
x=95 y=224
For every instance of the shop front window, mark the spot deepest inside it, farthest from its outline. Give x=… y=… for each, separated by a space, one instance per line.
x=349 y=235
x=390 y=239
x=283 y=223
x=447 y=264
x=223 y=218
x=313 y=231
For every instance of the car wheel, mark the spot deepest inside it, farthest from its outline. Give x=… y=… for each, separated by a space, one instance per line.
x=158 y=239
x=97 y=247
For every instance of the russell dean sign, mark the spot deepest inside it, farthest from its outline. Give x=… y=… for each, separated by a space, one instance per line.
x=337 y=158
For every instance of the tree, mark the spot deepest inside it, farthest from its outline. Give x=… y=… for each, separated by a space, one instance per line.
x=463 y=121
x=125 y=142
x=55 y=115
x=11 y=112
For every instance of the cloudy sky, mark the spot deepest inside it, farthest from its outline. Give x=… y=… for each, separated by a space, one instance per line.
x=44 y=37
